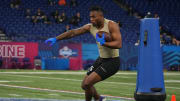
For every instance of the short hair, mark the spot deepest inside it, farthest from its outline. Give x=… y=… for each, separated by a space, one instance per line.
x=96 y=8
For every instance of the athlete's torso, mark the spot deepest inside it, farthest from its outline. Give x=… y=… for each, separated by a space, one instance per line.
x=104 y=52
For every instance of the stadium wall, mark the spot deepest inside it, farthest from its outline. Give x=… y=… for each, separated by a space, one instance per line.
x=18 y=54
x=73 y=56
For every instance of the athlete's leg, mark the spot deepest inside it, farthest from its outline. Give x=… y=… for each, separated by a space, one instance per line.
x=95 y=94
x=95 y=65
x=87 y=85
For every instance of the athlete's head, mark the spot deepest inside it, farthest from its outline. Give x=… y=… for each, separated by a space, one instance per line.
x=96 y=15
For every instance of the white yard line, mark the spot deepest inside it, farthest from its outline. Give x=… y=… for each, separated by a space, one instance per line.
x=14 y=95
x=120 y=76
x=53 y=94
x=172 y=87
x=60 y=91
x=135 y=73
x=81 y=72
x=172 y=81
x=35 y=99
x=120 y=83
x=73 y=73
x=14 y=81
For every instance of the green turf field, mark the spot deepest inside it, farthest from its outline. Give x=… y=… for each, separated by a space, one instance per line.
x=66 y=85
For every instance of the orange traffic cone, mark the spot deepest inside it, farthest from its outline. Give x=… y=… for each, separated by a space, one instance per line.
x=173 y=98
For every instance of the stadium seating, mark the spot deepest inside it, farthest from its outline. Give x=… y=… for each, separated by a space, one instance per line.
x=168 y=11
x=19 y=28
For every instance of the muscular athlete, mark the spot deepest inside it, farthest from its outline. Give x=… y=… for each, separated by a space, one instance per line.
x=108 y=62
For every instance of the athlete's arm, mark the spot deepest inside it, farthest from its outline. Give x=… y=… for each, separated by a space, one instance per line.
x=74 y=32
x=116 y=36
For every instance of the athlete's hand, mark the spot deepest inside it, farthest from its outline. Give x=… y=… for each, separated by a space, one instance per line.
x=100 y=40
x=51 y=41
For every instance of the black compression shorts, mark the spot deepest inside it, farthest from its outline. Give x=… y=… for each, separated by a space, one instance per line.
x=105 y=67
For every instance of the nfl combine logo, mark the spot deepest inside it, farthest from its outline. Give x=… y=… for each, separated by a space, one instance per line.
x=66 y=52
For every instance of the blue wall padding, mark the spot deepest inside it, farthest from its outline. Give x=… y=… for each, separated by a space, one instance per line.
x=89 y=51
x=57 y=64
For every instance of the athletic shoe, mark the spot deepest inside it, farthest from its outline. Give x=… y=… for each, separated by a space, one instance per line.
x=102 y=98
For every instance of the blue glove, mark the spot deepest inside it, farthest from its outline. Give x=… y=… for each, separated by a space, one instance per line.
x=51 y=40
x=101 y=40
